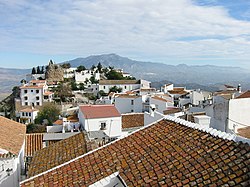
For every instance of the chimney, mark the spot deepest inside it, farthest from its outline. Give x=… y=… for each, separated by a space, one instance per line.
x=152 y=110
x=239 y=88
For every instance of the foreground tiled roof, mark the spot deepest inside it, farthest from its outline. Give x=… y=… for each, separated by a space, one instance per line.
x=161 y=99
x=244 y=95
x=99 y=111
x=163 y=154
x=132 y=120
x=57 y=153
x=33 y=143
x=12 y=135
x=117 y=82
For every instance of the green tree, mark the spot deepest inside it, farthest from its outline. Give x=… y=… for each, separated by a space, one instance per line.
x=38 y=71
x=93 y=80
x=42 y=71
x=33 y=70
x=99 y=67
x=102 y=93
x=81 y=86
x=93 y=67
x=49 y=112
x=73 y=85
x=114 y=75
x=115 y=89
x=80 y=68
x=63 y=91
x=66 y=65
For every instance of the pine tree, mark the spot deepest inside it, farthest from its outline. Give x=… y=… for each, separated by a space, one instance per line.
x=38 y=71
x=33 y=71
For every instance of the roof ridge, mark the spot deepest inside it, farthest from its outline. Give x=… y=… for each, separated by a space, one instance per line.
x=61 y=165
x=212 y=131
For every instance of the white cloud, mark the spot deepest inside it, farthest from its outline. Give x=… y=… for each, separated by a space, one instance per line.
x=156 y=29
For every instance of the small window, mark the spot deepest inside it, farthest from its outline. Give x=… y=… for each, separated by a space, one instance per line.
x=26 y=113
x=25 y=91
x=29 y=113
x=125 y=87
x=31 y=90
x=26 y=103
x=25 y=98
x=132 y=110
x=23 y=113
x=46 y=97
x=37 y=91
x=96 y=89
x=37 y=103
x=132 y=102
x=37 y=98
x=104 y=87
x=103 y=126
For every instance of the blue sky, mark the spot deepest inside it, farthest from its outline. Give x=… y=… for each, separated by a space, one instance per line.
x=194 y=32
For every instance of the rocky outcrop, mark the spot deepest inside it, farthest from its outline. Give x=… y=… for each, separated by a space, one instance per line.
x=54 y=72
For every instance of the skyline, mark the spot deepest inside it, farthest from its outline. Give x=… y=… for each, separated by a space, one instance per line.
x=192 y=32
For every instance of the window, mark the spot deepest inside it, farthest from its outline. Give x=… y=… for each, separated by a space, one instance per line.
x=29 y=113
x=37 y=103
x=23 y=113
x=37 y=98
x=103 y=126
x=104 y=87
x=31 y=90
x=37 y=91
x=25 y=91
x=26 y=103
x=46 y=97
x=132 y=110
x=132 y=102
x=26 y=113
x=125 y=87
x=25 y=98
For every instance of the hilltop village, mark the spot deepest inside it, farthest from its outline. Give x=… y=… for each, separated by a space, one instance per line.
x=103 y=127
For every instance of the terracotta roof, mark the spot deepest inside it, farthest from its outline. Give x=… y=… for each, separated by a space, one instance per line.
x=229 y=86
x=147 y=89
x=163 y=154
x=161 y=99
x=244 y=95
x=28 y=110
x=57 y=153
x=179 y=91
x=99 y=111
x=118 y=82
x=32 y=87
x=58 y=122
x=38 y=81
x=33 y=143
x=132 y=120
x=127 y=96
x=244 y=132
x=171 y=110
x=12 y=135
x=48 y=93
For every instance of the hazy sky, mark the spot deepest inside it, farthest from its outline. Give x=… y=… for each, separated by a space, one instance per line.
x=170 y=31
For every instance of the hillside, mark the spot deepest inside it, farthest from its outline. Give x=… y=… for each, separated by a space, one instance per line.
x=10 y=78
x=180 y=74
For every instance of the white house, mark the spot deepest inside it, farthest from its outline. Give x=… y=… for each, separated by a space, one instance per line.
x=81 y=77
x=104 y=118
x=12 y=143
x=35 y=93
x=165 y=88
x=125 y=85
x=238 y=114
x=69 y=72
x=27 y=115
x=229 y=111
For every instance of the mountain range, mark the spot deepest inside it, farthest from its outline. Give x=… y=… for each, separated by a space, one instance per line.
x=180 y=74
x=205 y=75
